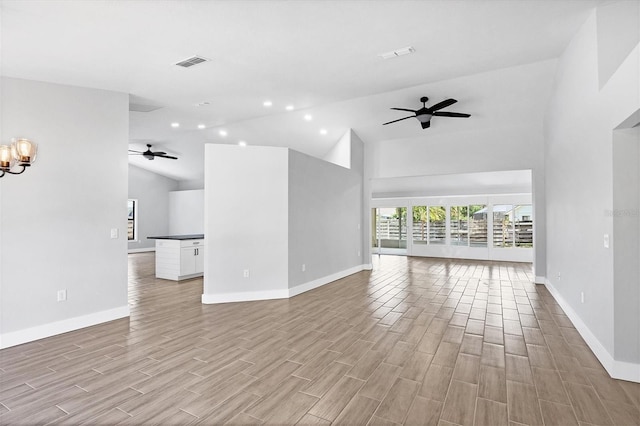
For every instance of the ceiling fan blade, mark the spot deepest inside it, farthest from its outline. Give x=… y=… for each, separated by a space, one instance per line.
x=167 y=156
x=426 y=124
x=137 y=152
x=450 y=114
x=442 y=104
x=405 y=109
x=400 y=119
x=159 y=153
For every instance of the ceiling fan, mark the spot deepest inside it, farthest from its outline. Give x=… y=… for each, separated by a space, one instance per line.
x=150 y=155
x=424 y=114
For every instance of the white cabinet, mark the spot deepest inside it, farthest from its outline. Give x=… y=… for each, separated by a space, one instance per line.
x=179 y=259
x=191 y=260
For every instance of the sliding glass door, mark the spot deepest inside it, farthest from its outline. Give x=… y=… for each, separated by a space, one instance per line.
x=389 y=230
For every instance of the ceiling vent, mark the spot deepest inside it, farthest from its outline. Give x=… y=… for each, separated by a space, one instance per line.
x=398 y=52
x=195 y=60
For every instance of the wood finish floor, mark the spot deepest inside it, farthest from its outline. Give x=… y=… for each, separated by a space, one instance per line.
x=415 y=341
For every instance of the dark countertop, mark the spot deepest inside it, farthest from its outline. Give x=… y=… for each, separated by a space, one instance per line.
x=179 y=237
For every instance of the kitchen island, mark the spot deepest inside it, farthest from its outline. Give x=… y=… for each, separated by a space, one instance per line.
x=179 y=257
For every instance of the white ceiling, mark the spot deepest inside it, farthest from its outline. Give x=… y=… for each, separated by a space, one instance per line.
x=320 y=56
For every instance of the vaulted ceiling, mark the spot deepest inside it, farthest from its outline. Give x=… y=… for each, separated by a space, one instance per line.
x=321 y=57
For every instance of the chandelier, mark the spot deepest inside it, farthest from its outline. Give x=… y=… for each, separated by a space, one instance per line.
x=21 y=153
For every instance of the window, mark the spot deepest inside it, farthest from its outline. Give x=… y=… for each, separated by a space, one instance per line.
x=132 y=217
x=437 y=225
x=477 y=225
x=523 y=226
x=459 y=225
x=420 y=224
x=512 y=225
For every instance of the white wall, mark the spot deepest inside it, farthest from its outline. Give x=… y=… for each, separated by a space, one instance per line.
x=246 y=222
x=579 y=181
x=153 y=194
x=271 y=210
x=186 y=212
x=325 y=218
x=340 y=153
x=626 y=243
x=57 y=216
x=504 y=133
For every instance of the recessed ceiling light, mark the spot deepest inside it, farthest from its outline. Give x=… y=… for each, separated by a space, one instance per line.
x=201 y=126
x=175 y=125
x=289 y=107
x=222 y=133
x=242 y=143
x=308 y=117
x=267 y=103
x=323 y=131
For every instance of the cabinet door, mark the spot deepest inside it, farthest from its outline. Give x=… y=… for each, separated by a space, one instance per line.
x=187 y=261
x=199 y=260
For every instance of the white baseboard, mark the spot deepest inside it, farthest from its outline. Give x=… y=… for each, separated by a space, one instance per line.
x=245 y=296
x=294 y=291
x=616 y=369
x=540 y=280
x=248 y=296
x=141 y=250
x=19 y=337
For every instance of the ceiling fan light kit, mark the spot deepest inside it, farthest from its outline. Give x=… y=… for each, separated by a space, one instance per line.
x=425 y=113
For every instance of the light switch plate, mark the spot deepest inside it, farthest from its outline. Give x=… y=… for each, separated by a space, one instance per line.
x=114 y=233
x=606 y=240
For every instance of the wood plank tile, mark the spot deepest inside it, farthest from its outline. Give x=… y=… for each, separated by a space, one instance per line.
x=493 y=383
x=587 y=405
x=467 y=368
x=523 y=403
x=436 y=382
x=264 y=408
x=555 y=414
x=518 y=369
x=549 y=385
x=492 y=355
x=366 y=365
x=416 y=366
x=446 y=354
x=490 y=413
x=396 y=404
x=459 y=407
x=380 y=381
x=306 y=420
x=358 y=412
x=424 y=412
x=337 y=398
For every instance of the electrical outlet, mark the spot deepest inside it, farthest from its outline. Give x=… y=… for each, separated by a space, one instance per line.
x=114 y=233
x=558 y=276
x=582 y=297
x=245 y=273
x=304 y=267
x=62 y=295
x=606 y=240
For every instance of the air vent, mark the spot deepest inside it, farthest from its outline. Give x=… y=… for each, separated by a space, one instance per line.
x=195 y=60
x=398 y=52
